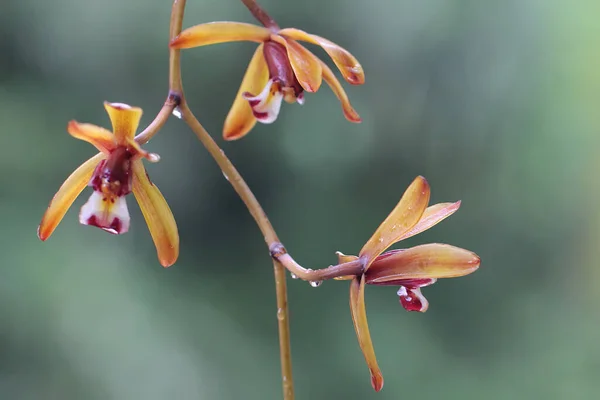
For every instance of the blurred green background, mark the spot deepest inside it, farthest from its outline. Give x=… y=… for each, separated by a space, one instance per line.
x=495 y=103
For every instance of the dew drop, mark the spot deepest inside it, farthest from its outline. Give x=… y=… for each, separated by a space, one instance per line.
x=380 y=240
x=280 y=314
x=294 y=276
x=225 y=175
x=315 y=283
x=177 y=112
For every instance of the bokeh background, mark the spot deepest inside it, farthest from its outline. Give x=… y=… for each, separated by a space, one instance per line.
x=495 y=103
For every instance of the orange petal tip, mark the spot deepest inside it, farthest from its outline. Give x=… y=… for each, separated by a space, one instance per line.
x=41 y=235
x=376 y=380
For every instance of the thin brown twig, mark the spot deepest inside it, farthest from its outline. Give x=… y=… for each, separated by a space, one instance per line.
x=261 y=15
x=160 y=119
x=175 y=86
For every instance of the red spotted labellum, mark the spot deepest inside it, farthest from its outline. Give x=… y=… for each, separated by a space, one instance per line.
x=112 y=174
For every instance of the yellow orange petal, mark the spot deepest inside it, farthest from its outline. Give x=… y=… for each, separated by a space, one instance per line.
x=101 y=138
x=305 y=64
x=125 y=120
x=348 y=65
x=359 y=319
x=432 y=216
x=240 y=119
x=219 y=32
x=66 y=195
x=422 y=262
x=402 y=219
x=349 y=112
x=158 y=215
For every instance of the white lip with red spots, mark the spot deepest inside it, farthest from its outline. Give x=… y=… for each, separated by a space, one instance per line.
x=109 y=213
x=266 y=105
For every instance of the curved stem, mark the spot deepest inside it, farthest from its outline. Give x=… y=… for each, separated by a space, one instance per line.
x=351 y=268
x=265 y=226
x=175 y=86
x=261 y=15
x=160 y=119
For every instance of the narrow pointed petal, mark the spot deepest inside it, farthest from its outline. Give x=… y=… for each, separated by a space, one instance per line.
x=266 y=105
x=125 y=120
x=108 y=213
x=158 y=215
x=348 y=65
x=422 y=262
x=305 y=64
x=101 y=138
x=402 y=219
x=349 y=112
x=359 y=318
x=431 y=217
x=219 y=32
x=66 y=195
x=240 y=119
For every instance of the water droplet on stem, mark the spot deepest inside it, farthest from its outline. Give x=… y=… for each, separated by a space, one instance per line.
x=177 y=112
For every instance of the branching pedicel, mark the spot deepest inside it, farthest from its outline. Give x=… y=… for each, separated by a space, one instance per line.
x=281 y=69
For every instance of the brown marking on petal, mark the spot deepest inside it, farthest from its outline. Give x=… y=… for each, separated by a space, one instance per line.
x=115 y=227
x=253 y=102
x=93 y=221
x=149 y=180
x=260 y=115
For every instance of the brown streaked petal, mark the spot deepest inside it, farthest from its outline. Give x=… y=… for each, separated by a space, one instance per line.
x=101 y=138
x=305 y=64
x=432 y=216
x=433 y=260
x=348 y=65
x=125 y=120
x=240 y=119
x=66 y=195
x=349 y=112
x=158 y=215
x=359 y=318
x=402 y=219
x=219 y=32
